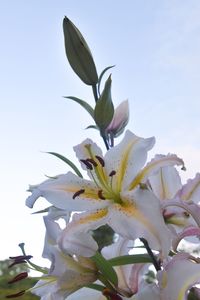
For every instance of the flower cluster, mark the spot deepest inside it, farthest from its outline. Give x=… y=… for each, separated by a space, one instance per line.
x=144 y=203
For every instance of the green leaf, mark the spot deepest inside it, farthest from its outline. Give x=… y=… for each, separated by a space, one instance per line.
x=97 y=287
x=101 y=76
x=79 y=54
x=105 y=268
x=42 y=211
x=84 y=104
x=68 y=162
x=92 y=127
x=104 y=109
x=130 y=259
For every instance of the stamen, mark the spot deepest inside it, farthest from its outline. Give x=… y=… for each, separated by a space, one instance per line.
x=16 y=295
x=78 y=193
x=19 y=277
x=112 y=173
x=87 y=164
x=92 y=161
x=17 y=262
x=100 y=194
x=21 y=259
x=101 y=161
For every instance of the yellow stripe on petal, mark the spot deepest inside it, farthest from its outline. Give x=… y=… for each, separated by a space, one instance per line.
x=124 y=163
x=153 y=166
x=99 y=214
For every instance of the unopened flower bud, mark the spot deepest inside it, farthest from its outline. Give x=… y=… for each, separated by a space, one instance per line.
x=79 y=54
x=120 y=119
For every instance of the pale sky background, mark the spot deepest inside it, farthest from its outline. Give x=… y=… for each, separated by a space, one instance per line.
x=155 y=46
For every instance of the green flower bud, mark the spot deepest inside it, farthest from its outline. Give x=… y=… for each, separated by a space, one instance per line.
x=79 y=54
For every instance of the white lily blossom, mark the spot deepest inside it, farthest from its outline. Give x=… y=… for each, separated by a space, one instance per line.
x=113 y=195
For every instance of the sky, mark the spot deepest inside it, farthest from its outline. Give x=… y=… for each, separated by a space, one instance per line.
x=155 y=48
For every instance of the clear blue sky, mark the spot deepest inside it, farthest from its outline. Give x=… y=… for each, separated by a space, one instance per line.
x=155 y=46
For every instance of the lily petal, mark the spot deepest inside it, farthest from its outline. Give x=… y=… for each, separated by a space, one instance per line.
x=188 y=275
x=127 y=158
x=154 y=165
x=68 y=192
x=191 y=190
x=165 y=183
x=76 y=239
x=141 y=217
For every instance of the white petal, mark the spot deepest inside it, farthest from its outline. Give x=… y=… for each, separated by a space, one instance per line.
x=76 y=239
x=191 y=190
x=188 y=275
x=165 y=183
x=61 y=192
x=141 y=217
x=127 y=158
x=153 y=167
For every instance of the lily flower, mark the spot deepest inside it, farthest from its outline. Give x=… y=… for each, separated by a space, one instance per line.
x=67 y=273
x=114 y=195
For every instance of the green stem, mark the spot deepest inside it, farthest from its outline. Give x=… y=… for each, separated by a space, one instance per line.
x=94 y=89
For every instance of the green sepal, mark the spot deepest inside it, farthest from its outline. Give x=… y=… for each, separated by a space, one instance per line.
x=68 y=162
x=130 y=259
x=105 y=268
x=84 y=104
x=79 y=54
x=101 y=76
x=104 y=109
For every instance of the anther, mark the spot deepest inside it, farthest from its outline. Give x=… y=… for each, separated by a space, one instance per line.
x=16 y=295
x=78 y=193
x=92 y=161
x=101 y=161
x=87 y=164
x=111 y=295
x=21 y=259
x=19 y=277
x=100 y=194
x=112 y=173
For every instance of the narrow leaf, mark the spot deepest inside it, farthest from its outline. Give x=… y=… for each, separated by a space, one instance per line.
x=68 y=162
x=130 y=259
x=42 y=211
x=97 y=287
x=84 y=104
x=101 y=76
x=105 y=268
x=92 y=127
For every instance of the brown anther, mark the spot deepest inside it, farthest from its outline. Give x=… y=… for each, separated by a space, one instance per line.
x=112 y=173
x=16 y=295
x=92 y=161
x=21 y=259
x=100 y=194
x=112 y=296
x=87 y=164
x=78 y=193
x=19 y=277
x=101 y=161
x=186 y=214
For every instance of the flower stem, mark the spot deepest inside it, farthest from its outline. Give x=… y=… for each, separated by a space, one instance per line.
x=149 y=251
